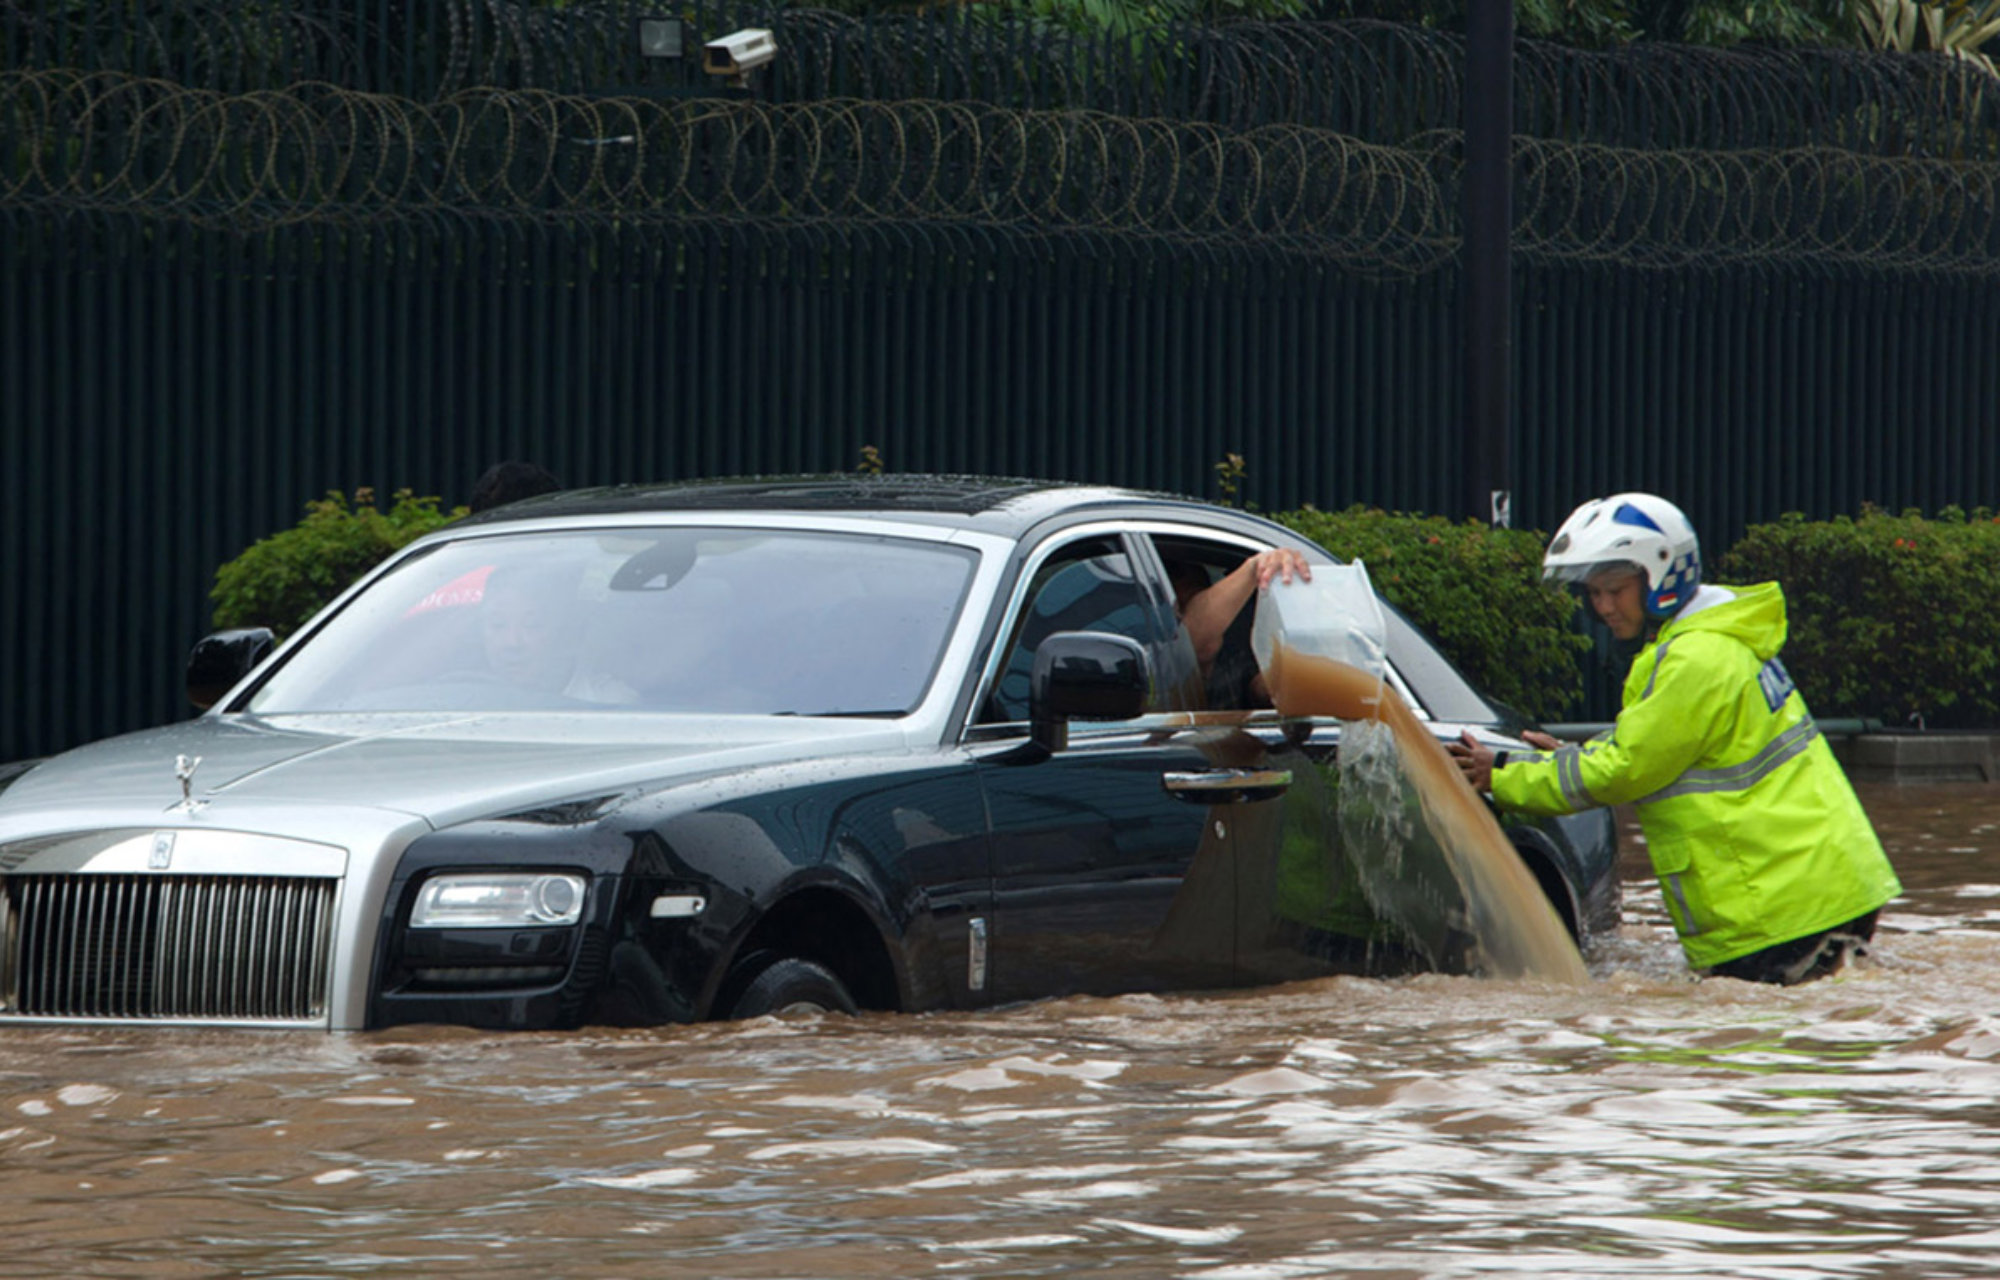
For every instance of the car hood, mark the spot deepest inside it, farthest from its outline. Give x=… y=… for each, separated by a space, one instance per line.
x=441 y=769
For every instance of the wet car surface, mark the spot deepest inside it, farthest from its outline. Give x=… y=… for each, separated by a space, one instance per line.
x=670 y=753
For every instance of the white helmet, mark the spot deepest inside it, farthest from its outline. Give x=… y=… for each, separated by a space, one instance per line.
x=1639 y=529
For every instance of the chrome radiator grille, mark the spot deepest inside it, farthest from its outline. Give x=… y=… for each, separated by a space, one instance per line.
x=164 y=946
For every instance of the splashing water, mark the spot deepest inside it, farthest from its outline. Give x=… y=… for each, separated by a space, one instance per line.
x=1474 y=903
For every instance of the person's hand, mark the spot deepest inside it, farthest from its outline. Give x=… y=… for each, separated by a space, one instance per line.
x=1540 y=741
x=1474 y=760
x=1282 y=563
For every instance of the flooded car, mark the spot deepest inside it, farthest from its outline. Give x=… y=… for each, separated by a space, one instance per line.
x=714 y=750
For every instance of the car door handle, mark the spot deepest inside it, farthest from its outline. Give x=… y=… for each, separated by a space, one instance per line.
x=1228 y=786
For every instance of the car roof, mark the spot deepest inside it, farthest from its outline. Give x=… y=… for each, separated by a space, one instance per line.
x=1003 y=505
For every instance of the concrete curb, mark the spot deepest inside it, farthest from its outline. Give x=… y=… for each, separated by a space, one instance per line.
x=1918 y=758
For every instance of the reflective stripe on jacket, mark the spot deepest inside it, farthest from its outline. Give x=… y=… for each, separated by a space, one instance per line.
x=1752 y=827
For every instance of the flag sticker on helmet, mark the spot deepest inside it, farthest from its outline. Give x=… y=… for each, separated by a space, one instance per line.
x=1667 y=597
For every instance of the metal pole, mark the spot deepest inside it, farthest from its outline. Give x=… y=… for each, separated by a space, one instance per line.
x=1488 y=292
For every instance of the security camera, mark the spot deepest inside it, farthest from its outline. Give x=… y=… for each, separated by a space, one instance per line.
x=739 y=52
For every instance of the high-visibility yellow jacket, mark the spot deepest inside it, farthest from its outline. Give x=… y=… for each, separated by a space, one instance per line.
x=1753 y=829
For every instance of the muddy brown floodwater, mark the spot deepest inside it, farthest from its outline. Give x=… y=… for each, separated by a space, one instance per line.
x=1641 y=1125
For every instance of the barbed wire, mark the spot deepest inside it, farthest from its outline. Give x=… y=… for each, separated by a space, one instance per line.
x=1817 y=206
x=1376 y=79
x=1686 y=98
x=1380 y=82
x=321 y=153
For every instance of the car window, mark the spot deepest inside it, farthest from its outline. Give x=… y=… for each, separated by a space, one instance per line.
x=1231 y=680
x=1439 y=689
x=1089 y=585
x=715 y=620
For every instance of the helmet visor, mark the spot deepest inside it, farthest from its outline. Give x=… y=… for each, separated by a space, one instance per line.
x=1580 y=574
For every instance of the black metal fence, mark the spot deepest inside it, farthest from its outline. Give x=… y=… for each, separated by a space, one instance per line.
x=249 y=253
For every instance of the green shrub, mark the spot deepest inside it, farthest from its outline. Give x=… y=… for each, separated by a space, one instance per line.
x=286 y=578
x=1477 y=591
x=1891 y=617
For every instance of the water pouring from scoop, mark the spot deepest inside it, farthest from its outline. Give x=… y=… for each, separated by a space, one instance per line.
x=1321 y=645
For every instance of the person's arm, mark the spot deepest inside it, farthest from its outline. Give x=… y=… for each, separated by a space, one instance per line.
x=1477 y=761
x=1209 y=613
x=1653 y=742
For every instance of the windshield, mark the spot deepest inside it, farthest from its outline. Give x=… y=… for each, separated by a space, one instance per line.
x=747 y=621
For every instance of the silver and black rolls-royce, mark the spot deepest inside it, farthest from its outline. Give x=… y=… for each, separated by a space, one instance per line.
x=653 y=754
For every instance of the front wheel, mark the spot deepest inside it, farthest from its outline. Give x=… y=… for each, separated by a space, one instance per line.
x=790 y=985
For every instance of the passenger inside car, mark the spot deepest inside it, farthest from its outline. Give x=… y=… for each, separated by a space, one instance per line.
x=1218 y=613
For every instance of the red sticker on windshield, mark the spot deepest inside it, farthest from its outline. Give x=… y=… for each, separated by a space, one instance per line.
x=469 y=588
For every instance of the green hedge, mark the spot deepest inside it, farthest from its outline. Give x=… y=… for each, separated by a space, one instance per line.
x=1895 y=618
x=288 y=577
x=1477 y=591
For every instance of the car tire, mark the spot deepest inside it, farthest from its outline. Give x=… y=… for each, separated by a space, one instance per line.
x=790 y=985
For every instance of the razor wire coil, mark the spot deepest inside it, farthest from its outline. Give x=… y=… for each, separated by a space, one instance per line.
x=322 y=153
x=317 y=152
x=1380 y=82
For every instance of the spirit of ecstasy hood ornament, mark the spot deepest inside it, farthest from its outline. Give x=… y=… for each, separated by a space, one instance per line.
x=184 y=767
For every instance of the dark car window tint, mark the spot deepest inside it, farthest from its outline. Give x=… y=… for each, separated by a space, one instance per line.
x=1087 y=587
x=713 y=620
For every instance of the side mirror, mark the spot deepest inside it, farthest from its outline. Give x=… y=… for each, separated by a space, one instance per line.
x=1084 y=675
x=220 y=660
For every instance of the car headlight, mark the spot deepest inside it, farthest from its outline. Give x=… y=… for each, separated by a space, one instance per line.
x=495 y=900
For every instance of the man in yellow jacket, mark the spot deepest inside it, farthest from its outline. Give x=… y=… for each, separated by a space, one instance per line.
x=1770 y=869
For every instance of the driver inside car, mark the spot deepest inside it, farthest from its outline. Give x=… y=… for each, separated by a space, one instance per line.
x=531 y=634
